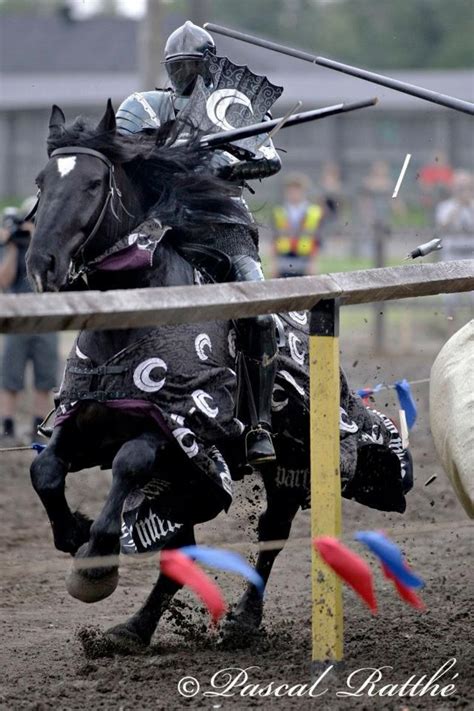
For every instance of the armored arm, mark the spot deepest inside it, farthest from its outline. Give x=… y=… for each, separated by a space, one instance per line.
x=228 y=166
x=144 y=110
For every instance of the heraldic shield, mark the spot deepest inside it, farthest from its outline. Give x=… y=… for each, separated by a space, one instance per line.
x=235 y=97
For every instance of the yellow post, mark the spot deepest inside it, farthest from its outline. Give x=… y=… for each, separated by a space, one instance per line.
x=327 y=614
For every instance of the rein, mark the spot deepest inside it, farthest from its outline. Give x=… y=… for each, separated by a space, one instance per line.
x=74 y=270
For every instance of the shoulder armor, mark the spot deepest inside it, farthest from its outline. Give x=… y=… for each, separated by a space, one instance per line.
x=145 y=109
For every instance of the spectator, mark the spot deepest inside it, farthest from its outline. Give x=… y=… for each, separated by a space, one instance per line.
x=455 y=224
x=436 y=178
x=455 y=218
x=377 y=188
x=40 y=349
x=331 y=183
x=296 y=225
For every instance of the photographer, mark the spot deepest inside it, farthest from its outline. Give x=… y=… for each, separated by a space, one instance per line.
x=19 y=349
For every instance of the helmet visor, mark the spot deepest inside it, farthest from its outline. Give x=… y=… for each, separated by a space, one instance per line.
x=183 y=74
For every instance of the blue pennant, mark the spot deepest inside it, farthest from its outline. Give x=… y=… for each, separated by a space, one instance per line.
x=225 y=560
x=391 y=555
x=38 y=447
x=406 y=401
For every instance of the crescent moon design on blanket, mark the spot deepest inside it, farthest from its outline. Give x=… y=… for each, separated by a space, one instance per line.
x=219 y=102
x=296 y=354
x=142 y=375
x=200 y=342
x=204 y=402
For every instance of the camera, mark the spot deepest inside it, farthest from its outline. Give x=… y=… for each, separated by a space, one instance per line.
x=12 y=222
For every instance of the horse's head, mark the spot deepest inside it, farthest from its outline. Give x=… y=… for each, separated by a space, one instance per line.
x=78 y=192
x=159 y=177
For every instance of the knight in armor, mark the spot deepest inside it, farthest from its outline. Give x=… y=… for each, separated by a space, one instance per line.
x=187 y=54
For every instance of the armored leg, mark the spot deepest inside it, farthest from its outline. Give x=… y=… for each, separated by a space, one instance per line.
x=259 y=349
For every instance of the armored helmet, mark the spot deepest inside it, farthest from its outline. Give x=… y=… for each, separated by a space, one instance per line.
x=185 y=53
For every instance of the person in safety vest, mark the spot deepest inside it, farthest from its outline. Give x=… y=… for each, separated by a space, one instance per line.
x=296 y=227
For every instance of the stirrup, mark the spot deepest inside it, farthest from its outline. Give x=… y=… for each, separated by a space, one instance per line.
x=259 y=446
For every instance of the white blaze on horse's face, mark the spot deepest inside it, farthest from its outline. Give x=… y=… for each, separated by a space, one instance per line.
x=66 y=165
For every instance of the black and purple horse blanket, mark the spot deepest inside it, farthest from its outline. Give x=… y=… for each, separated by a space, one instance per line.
x=184 y=379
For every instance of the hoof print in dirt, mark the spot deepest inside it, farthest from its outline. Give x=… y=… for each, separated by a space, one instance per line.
x=118 y=640
x=94 y=643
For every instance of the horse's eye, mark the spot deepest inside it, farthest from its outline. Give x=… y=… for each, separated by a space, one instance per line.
x=94 y=185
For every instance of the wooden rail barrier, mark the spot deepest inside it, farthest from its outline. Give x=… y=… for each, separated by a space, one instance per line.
x=322 y=296
x=183 y=304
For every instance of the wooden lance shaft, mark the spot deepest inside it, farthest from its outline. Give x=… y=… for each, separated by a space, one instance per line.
x=327 y=612
x=217 y=139
x=435 y=97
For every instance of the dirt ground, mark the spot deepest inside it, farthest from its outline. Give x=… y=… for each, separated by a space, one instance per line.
x=43 y=665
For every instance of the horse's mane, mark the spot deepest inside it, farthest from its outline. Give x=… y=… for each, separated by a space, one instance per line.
x=176 y=178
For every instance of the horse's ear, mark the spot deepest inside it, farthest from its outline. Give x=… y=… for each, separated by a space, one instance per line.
x=56 y=122
x=107 y=122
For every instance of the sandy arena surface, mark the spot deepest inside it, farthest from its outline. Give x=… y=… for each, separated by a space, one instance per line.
x=43 y=665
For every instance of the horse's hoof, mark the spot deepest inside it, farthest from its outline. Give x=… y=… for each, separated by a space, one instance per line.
x=240 y=630
x=124 y=640
x=91 y=585
x=91 y=590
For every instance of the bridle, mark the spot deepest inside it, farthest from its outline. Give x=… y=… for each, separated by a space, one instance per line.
x=76 y=269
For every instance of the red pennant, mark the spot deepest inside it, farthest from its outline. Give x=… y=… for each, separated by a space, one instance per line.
x=349 y=567
x=404 y=592
x=180 y=568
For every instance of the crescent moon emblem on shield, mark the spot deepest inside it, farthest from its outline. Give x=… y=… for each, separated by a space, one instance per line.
x=203 y=400
x=219 y=102
x=200 y=342
x=142 y=375
x=296 y=354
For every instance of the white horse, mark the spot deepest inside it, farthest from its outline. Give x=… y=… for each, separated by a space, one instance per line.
x=452 y=412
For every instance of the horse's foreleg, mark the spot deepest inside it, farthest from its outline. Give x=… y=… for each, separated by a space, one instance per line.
x=133 y=465
x=48 y=475
x=274 y=524
x=137 y=631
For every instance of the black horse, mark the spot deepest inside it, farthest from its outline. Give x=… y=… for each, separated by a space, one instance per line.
x=157 y=405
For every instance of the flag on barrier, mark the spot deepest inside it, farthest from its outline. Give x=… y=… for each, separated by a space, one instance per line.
x=180 y=568
x=365 y=393
x=391 y=556
x=349 y=566
x=407 y=403
x=38 y=447
x=225 y=560
x=407 y=594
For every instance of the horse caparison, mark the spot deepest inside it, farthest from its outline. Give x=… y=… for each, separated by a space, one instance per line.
x=113 y=413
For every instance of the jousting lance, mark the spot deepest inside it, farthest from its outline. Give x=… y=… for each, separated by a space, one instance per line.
x=217 y=139
x=435 y=97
